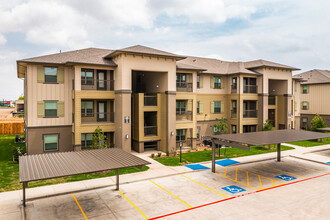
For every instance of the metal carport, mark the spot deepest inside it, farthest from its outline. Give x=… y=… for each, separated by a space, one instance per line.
x=61 y=164
x=246 y=140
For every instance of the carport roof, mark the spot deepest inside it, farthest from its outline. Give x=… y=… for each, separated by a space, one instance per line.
x=60 y=164
x=270 y=137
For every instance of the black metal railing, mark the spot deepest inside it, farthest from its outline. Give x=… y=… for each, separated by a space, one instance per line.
x=250 y=89
x=184 y=116
x=97 y=117
x=150 y=130
x=250 y=113
x=107 y=85
x=234 y=88
x=234 y=113
x=184 y=86
x=271 y=100
x=150 y=100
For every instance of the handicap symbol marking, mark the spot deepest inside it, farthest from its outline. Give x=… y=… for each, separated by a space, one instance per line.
x=197 y=167
x=286 y=177
x=233 y=189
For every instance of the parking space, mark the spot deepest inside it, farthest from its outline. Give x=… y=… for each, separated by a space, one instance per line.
x=168 y=197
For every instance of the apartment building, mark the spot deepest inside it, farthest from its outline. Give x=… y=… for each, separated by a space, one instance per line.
x=143 y=98
x=314 y=96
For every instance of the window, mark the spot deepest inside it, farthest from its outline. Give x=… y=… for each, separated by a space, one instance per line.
x=217 y=82
x=180 y=135
x=198 y=81
x=304 y=122
x=180 y=80
x=198 y=107
x=234 y=105
x=304 y=89
x=234 y=83
x=180 y=107
x=87 y=108
x=304 y=105
x=217 y=107
x=51 y=109
x=198 y=132
x=51 y=142
x=233 y=129
x=50 y=74
x=87 y=77
x=86 y=140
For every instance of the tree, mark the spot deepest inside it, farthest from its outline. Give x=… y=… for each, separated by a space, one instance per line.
x=267 y=126
x=99 y=139
x=21 y=98
x=317 y=122
x=220 y=127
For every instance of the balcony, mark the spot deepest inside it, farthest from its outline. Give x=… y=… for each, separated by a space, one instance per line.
x=250 y=113
x=184 y=116
x=150 y=131
x=250 y=89
x=271 y=100
x=234 y=113
x=150 y=100
x=97 y=117
x=234 y=88
x=184 y=87
x=93 y=84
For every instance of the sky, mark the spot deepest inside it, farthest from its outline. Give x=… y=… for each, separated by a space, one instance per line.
x=291 y=32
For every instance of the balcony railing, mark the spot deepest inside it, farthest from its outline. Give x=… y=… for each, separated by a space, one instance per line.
x=97 y=117
x=184 y=116
x=234 y=113
x=271 y=100
x=107 y=85
x=184 y=87
x=250 y=89
x=234 y=88
x=250 y=113
x=150 y=131
x=150 y=100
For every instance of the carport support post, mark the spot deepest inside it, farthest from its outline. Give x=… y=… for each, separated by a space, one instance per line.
x=213 y=156
x=117 y=179
x=279 y=152
x=24 y=186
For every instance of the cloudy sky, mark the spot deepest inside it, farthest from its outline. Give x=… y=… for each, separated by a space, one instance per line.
x=294 y=32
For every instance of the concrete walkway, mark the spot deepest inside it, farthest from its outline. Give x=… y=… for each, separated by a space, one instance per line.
x=10 y=201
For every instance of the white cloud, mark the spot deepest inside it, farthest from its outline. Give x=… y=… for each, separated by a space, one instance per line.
x=2 y=39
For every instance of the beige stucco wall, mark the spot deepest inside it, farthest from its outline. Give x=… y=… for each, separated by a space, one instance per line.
x=41 y=91
x=318 y=97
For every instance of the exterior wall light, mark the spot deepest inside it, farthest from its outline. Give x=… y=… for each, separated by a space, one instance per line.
x=126 y=136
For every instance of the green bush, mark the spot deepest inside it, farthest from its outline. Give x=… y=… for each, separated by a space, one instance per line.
x=152 y=155
x=267 y=126
x=317 y=122
x=18 y=151
x=159 y=154
x=167 y=153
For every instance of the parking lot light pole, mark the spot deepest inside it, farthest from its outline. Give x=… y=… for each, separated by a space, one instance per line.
x=279 y=152
x=213 y=156
x=180 y=151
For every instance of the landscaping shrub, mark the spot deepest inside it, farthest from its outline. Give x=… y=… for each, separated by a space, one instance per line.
x=159 y=154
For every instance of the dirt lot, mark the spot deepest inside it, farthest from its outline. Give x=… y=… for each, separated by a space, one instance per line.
x=6 y=116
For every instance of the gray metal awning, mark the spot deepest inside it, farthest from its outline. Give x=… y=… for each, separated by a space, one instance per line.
x=61 y=164
x=246 y=140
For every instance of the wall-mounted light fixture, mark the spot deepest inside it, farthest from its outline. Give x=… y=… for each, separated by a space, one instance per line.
x=126 y=136
x=172 y=133
x=126 y=119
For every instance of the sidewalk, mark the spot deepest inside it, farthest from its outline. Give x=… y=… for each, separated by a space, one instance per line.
x=10 y=201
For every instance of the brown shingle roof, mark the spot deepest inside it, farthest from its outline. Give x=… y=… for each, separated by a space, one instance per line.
x=144 y=50
x=86 y=56
x=261 y=63
x=315 y=76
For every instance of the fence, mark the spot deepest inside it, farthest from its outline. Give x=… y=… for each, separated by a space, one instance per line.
x=8 y=128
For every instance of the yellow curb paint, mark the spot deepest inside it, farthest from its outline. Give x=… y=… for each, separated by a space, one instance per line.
x=133 y=204
x=205 y=186
x=281 y=170
x=171 y=194
x=303 y=167
x=82 y=211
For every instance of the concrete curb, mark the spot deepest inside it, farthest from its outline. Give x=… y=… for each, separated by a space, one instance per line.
x=310 y=160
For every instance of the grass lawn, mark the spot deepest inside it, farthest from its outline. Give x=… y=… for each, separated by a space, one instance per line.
x=10 y=176
x=311 y=143
x=201 y=156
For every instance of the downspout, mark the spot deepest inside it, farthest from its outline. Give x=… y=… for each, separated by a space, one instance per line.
x=74 y=107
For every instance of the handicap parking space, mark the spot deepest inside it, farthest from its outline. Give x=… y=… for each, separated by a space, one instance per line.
x=157 y=197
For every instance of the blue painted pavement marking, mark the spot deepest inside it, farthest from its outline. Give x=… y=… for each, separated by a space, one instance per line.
x=233 y=189
x=286 y=177
x=226 y=162
x=328 y=162
x=197 y=167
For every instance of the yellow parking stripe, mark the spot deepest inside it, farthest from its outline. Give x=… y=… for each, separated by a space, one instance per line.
x=225 y=171
x=205 y=186
x=303 y=167
x=236 y=174
x=261 y=175
x=281 y=170
x=133 y=204
x=237 y=181
x=82 y=211
x=273 y=182
x=171 y=194
x=247 y=178
x=260 y=182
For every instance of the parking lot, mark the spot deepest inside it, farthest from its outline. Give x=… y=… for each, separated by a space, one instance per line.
x=255 y=190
